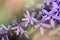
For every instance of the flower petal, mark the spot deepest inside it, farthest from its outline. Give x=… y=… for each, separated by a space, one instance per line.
x=22 y=24
x=25 y=15
x=55 y=6
x=45 y=18
x=42 y=30
x=31 y=22
x=26 y=23
x=14 y=22
x=26 y=35
x=28 y=13
x=25 y=19
x=13 y=28
x=45 y=25
x=45 y=11
x=2 y=38
x=52 y=23
x=57 y=17
x=39 y=14
x=35 y=20
x=7 y=37
x=4 y=27
x=33 y=14
x=17 y=32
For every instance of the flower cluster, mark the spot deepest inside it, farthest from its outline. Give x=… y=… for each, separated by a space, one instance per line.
x=48 y=15
x=15 y=27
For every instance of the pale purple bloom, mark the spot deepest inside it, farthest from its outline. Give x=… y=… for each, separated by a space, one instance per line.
x=22 y=24
x=29 y=19
x=4 y=35
x=51 y=16
x=19 y=30
x=58 y=2
x=53 y=6
x=42 y=13
x=17 y=27
x=48 y=20
x=39 y=15
x=4 y=32
x=2 y=38
x=48 y=16
x=42 y=26
x=14 y=22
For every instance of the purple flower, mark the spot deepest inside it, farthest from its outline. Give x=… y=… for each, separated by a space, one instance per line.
x=58 y=2
x=14 y=22
x=51 y=16
x=4 y=36
x=29 y=19
x=53 y=6
x=42 y=13
x=19 y=30
x=4 y=32
x=42 y=26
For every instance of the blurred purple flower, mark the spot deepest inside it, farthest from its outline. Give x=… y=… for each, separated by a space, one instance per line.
x=29 y=19
x=42 y=13
x=4 y=35
x=53 y=6
x=14 y=22
x=17 y=27
x=42 y=26
x=58 y=2
x=51 y=16
x=19 y=30
x=4 y=32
